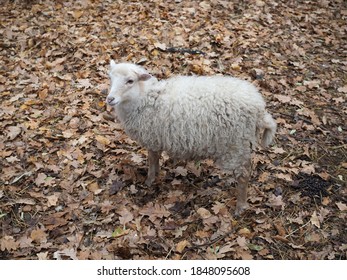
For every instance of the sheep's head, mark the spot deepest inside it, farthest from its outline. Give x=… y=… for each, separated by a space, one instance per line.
x=126 y=81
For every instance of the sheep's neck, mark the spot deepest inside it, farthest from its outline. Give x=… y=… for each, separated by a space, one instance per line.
x=127 y=109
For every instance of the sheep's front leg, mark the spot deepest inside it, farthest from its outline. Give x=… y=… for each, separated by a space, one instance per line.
x=242 y=185
x=153 y=166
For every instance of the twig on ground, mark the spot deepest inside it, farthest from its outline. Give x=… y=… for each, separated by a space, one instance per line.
x=181 y=50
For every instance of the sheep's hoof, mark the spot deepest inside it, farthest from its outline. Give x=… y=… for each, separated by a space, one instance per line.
x=149 y=181
x=240 y=208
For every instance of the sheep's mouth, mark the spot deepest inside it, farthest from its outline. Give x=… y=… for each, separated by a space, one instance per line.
x=113 y=103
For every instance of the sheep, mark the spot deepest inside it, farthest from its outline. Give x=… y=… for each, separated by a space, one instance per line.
x=192 y=118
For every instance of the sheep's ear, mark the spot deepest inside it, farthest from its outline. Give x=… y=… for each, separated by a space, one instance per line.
x=144 y=77
x=112 y=63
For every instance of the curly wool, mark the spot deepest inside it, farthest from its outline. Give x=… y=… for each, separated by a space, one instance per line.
x=193 y=117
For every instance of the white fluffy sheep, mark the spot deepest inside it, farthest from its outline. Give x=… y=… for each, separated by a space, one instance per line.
x=192 y=117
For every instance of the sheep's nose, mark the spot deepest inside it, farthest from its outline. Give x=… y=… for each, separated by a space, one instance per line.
x=110 y=99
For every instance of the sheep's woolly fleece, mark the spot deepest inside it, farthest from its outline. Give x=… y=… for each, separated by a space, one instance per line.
x=191 y=117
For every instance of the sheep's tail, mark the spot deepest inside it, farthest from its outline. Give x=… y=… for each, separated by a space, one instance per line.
x=269 y=125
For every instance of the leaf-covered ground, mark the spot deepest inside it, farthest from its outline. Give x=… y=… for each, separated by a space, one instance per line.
x=72 y=183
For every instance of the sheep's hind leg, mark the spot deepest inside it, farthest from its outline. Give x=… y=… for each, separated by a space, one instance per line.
x=153 y=166
x=239 y=164
x=242 y=185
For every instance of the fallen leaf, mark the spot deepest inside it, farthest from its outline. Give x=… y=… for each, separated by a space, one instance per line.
x=286 y=177
x=219 y=208
x=241 y=241
x=68 y=252
x=263 y=177
x=25 y=242
x=160 y=46
x=176 y=182
x=125 y=216
x=276 y=202
x=282 y=98
x=103 y=140
x=84 y=83
x=255 y=247
x=308 y=169
x=12 y=159
x=342 y=89
x=40 y=179
x=42 y=256
x=312 y=237
x=279 y=150
x=264 y=252
x=204 y=213
x=244 y=232
x=280 y=229
x=179 y=231
x=341 y=206
x=180 y=171
x=116 y=187
x=202 y=234
x=52 y=199
x=12 y=132
x=243 y=254
x=312 y=84
x=120 y=231
x=8 y=243
x=324 y=175
x=107 y=206
x=38 y=235
x=154 y=211
x=194 y=168
x=182 y=245
x=315 y=220
x=68 y=133
x=77 y=14
x=226 y=248
x=94 y=188
x=136 y=158
x=326 y=201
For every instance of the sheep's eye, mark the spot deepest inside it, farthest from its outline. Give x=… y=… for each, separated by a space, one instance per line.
x=130 y=82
